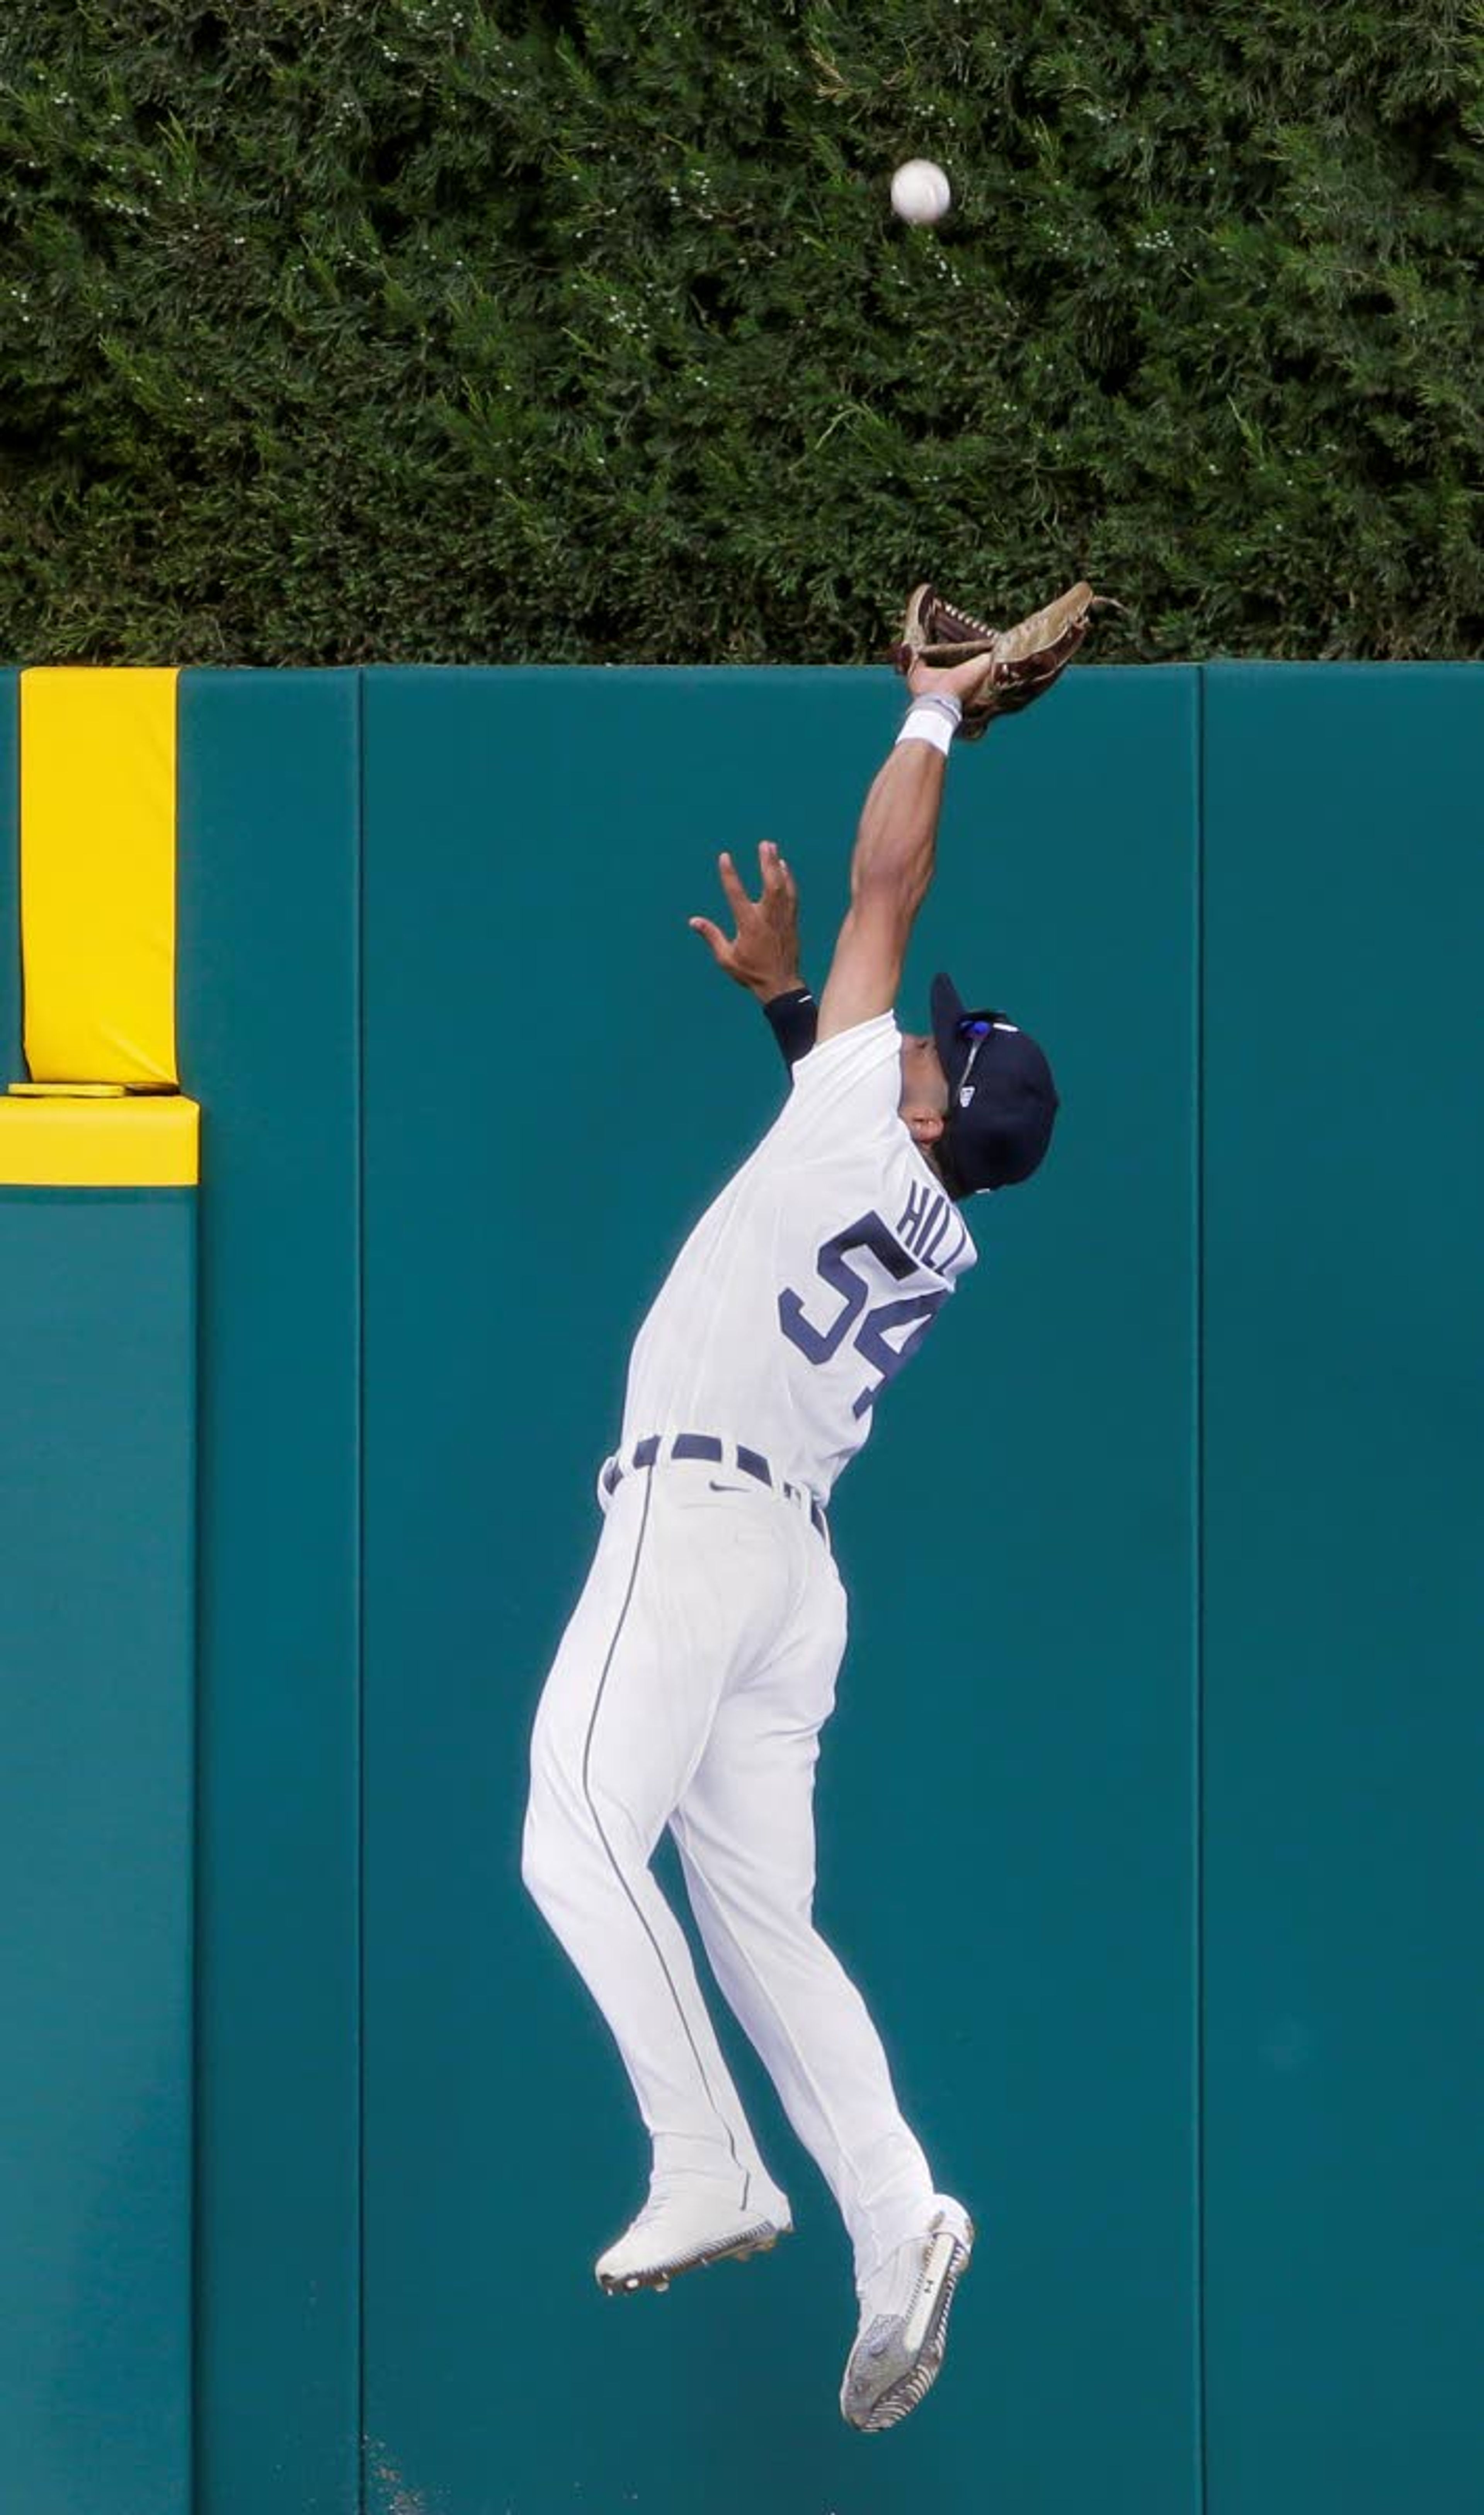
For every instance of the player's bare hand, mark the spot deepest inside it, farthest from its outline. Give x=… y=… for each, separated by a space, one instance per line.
x=763 y=954
x=955 y=681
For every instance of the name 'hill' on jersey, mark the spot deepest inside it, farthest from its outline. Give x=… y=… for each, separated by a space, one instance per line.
x=810 y=1280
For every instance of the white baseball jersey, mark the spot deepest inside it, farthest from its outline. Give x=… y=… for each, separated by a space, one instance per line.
x=699 y=1665
x=804 y=1288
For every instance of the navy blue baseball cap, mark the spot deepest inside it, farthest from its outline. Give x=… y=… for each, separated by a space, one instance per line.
x=1002 y=1100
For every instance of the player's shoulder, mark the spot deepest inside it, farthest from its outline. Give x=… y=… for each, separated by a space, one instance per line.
x=845 y=1095
x=861 y=1049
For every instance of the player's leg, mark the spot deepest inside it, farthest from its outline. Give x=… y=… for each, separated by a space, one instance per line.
x=745 y=1830
x=624 y=1718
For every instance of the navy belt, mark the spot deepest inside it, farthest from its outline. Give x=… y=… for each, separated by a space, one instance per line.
x=706 y=1445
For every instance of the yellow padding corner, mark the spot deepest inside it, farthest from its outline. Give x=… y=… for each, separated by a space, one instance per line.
x=98 y=808
x=99 y=1143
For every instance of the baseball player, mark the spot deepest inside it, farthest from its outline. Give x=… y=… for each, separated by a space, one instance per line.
x=699 y=1666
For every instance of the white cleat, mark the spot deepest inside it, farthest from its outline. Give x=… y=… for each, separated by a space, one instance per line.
x=680 y=2231
x=904 y=2321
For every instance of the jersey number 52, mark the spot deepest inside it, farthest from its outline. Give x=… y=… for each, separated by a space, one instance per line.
x=914 y=1310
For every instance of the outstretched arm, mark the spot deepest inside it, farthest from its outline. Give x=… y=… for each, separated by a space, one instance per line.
x=895 y=849
x=890 y=870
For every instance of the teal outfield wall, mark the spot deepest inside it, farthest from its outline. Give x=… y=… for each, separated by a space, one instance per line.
x=1018 y=1735
x=1343 y=1589
x=268 y=1009
x=1142 y=1817
x=96 y=1519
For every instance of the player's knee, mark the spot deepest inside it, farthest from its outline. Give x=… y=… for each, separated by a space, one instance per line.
x=538 y=1870
x=561 y=1836
x=545 y=1846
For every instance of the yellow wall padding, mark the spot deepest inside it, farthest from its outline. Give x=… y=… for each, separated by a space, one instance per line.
x=99 y=1143
x=98 y=783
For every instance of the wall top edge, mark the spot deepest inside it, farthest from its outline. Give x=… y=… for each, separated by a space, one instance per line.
x=710 y=673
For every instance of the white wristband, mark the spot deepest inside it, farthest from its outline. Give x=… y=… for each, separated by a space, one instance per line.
x=931 y=719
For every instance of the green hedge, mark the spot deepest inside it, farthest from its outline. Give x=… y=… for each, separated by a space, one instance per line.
x=432 y=329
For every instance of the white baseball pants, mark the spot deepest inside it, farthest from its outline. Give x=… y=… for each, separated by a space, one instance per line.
x=690 y=1690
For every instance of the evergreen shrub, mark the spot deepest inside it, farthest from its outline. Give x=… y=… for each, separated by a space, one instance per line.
x=443 y=330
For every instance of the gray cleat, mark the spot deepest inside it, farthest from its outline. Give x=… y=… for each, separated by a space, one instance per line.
x=904 y=2322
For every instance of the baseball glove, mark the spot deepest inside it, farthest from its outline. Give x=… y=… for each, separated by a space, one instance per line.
x=1028 y=658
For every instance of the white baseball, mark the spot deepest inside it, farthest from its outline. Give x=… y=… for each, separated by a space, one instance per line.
x=920 y=192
